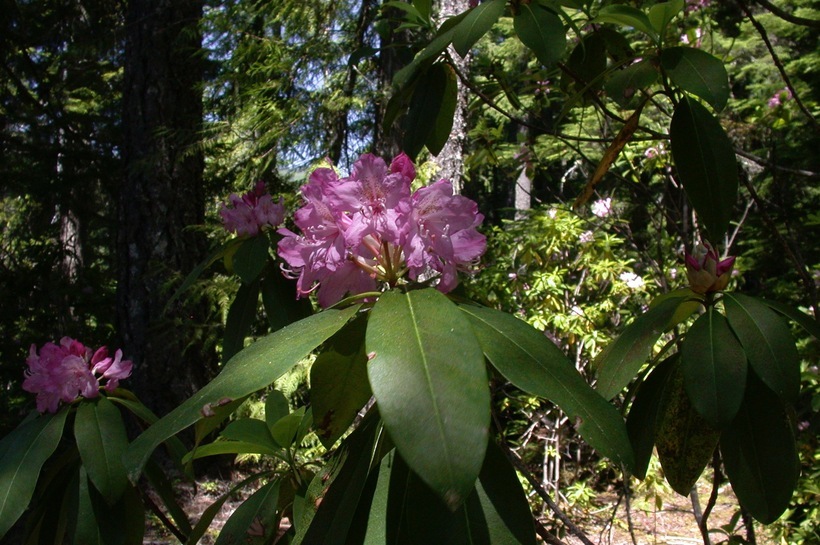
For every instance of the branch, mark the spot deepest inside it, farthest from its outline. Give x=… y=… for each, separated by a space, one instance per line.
x=764 y=163
x=786 y=16
x=777 y=62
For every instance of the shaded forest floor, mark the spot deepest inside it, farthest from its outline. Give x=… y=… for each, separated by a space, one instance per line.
x=670 y=522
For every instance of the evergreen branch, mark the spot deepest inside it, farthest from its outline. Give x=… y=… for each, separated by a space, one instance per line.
x=786 y=16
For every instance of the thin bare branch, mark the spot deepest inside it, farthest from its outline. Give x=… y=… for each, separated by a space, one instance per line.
x=786 y=16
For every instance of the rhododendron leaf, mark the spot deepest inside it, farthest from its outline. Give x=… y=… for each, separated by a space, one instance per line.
x=280 y=302
x=626 y=16
x=233 y=447
x=97 y=522
x=446 y=113
x=714 y=369
x=162 y=486
x=760 y=455
x=541 y=30
x=250 y=430
x=684 y=440
x=87 y=530
x=620 y=361
x=624 y=86
x=338 y=390
x=276 y=407
x=705 y=161
x=251 y=257
x=22 y=454
x=216 y=417
x=645 y=411
x=661 y=14
x=475 y=24
x=529 y=360
x=333 y=495
x=697 y=72
x=241 y=316
x=284 y=431
x=429 y=378
x=767 y=342
x=101 y=440
x=254 y=368
x=256 y=517
x=807 y=322
x=429 y=106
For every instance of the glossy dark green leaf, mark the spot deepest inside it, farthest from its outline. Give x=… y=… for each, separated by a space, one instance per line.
x=644 y=413
x=760 y=455
x=241 y=316
x=338 y=390
x=621 y=360
x=425 y=7
x=87 y=530
x=101 y=440
x=162 y=486
x=767 y=342
x=97 y=522
x=276 y=407
x=624 y=86
x=475 y=24
x=684 y=440
x=440 y=133
x=662 y=13
x=24 y=451
x=255 y=518
x=429 y=378
x=697 y=72
x=541 y=30
x=256 y=367
x=626 y=16
x=714 y=369
x=529 y=360
x=808 y=323
x=250 y=430
x=333 y=495
x=251 y=257
x=428 y=100
x=280 y=302
x=586 y=64
x=234 y=447
x=705 y=161
x=285 y=430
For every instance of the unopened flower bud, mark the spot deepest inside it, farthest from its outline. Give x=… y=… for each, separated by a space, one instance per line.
x=706 y=272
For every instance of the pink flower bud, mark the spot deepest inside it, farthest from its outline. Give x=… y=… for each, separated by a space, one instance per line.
x=706 y=272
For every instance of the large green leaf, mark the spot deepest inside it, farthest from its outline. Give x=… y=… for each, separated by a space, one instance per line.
x=620 y=361
x=760 y=455
x=429 y=378
x=626 y=16
x=241 y=316
x=529 y=360
x=250 y=430
x=431 y=110
x=255 y=518
x=443 y=126
x=661 y=14
x=475 y=24
x=768 y=344
x=101 y=440
x=250 y=258
x=645 y=411
x=252 y=369
x=807 y=322
x=24 y=451
x=281 y=304
x=624 y=86
x=333 y=495
x=541 y=30
x=685 y=441
x=697 y=72
x=714 y=369
x=338 y=384
x=705 y=161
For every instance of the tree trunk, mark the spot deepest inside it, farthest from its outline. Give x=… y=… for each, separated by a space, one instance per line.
x=450 y=160
x=162 y=194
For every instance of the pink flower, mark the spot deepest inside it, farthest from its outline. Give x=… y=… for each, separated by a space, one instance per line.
x=602 y=207
x=367 y=230
x=706 y=272
x=252 y=211
x=68 y=370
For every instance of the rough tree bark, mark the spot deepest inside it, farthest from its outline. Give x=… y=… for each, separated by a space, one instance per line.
x=162 y=194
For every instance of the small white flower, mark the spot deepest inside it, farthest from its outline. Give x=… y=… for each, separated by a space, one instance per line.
x=586 y=236
x=632 y=280
x=602 y=207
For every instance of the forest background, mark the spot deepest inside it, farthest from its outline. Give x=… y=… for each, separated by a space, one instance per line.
x=125 y=125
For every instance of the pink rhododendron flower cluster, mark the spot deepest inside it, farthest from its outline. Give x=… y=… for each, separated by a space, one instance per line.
x=61 y=372
x=368 y=230
x=252 y=211
x=706 y=272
